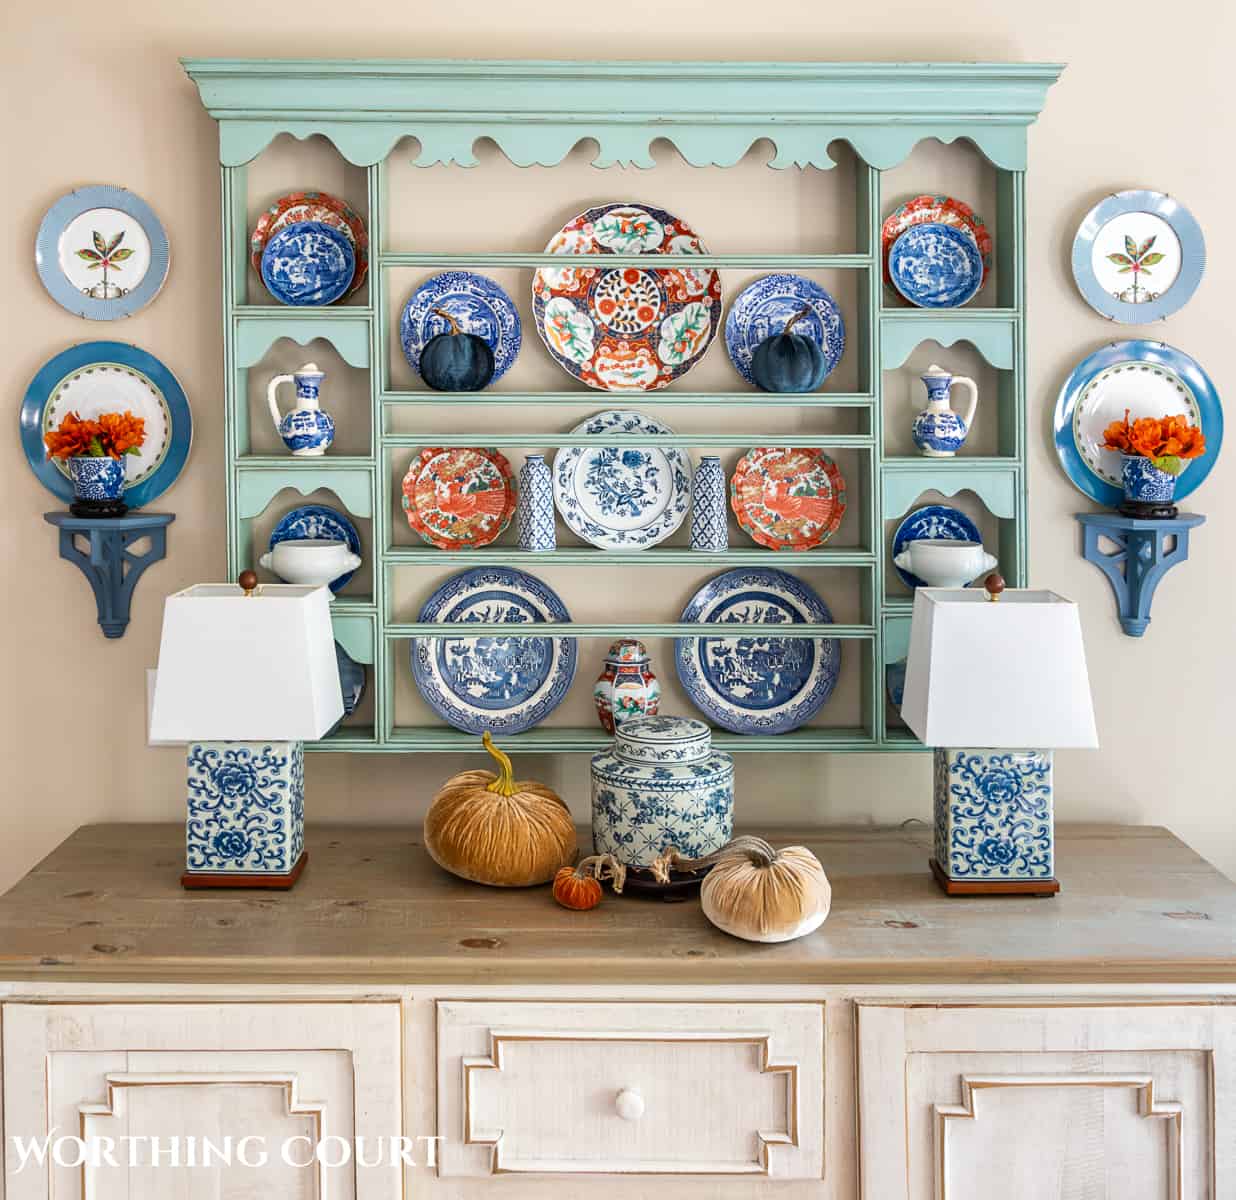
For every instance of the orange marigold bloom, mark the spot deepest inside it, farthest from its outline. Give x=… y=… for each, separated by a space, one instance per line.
x=1116 y=435
x=73 y=437
x=1155 y=437
x=121 y=432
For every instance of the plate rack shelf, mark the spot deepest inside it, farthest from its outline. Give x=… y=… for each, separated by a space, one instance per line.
x=712 y=113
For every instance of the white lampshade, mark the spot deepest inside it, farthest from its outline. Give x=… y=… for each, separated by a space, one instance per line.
x=1006 y=673
x=246 y=668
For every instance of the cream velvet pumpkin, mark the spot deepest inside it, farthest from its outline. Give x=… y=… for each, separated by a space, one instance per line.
x=494 y=829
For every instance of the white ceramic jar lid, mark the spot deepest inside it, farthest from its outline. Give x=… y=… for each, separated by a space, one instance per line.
x=663 y=739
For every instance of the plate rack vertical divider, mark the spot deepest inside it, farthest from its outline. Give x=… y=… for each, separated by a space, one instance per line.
x=712 y=113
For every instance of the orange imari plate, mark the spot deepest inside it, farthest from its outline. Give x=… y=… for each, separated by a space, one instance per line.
x=788 y=499
x=459 y=498
x=296 y=207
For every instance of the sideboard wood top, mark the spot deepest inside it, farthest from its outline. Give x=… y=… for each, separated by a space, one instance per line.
x=1137 y=905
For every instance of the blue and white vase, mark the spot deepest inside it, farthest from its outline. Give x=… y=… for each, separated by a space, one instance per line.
x=938 y=431
x=709 y=524
x=306 y=430
x=98 y=486
x=1148 y=491
x=534 y=512
x=661 y=784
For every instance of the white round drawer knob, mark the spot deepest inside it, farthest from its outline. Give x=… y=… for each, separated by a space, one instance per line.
x=630 y=1104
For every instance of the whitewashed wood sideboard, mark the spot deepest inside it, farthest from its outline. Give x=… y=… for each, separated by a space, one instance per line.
x=915 y=1047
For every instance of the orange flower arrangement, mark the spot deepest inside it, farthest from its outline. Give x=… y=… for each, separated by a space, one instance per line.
x=1167 y=441
x=112 y=435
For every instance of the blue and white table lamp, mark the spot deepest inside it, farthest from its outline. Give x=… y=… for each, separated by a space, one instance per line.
x=246 y=675
x=995 y=680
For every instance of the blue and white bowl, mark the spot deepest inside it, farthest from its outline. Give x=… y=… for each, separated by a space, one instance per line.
x=936 y=266
x=308 y=263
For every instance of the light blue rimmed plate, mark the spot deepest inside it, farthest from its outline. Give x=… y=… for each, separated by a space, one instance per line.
x=476 y=302
x=935 y=522
x=504 y=685
x=318 y=521
x=1150 y=379
x=936 y=266
x=98 y=377
x=765 y=307
x=101 y=252
x=758 y=683
x=307 y=264
x=1138 y=256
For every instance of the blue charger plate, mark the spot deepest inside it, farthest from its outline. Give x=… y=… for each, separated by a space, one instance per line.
x=936 y=266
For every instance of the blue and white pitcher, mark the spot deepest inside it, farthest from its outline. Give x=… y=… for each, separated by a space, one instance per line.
x=938 y=431
x=307 y=431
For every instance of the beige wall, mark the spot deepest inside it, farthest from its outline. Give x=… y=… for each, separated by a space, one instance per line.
x=94 y=94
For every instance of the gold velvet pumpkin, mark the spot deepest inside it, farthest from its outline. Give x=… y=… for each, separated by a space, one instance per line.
x=494 y=829
x=756 y=892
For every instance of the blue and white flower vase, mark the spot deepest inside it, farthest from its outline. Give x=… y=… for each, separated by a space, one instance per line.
x=626 y=689
x=534 y=512
x=306 y=430
x=938 y=431
x=1148 y=491
x=98 y=486
x=661 y=784
x=709 y=522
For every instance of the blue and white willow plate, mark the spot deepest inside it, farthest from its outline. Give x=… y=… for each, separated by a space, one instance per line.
x=308 y=263
x=622 y=497
x=758 y=683
x=936 y=266
x=318 y=521
x=505 y=685
x=476 y=302
x=352 y=680
x=937 y=522
x=763 y=309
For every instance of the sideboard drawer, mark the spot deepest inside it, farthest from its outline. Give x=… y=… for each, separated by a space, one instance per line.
x=726 y=1089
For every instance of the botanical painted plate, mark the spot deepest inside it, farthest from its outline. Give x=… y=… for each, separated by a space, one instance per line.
x=938 y=522
x=1149 y=379
x=1138 y=256
x=935 y=210
x=458 y=498
x=627 y=328
x=308 y=263
x=318 y=521
x=505 y=685
x=479 y=306
x=763 y=309
x=788 y=499
x=758 y=683
x=99 y=377
x=313 y=206
x=622 y=497
x=101 y=253
x=936 y=266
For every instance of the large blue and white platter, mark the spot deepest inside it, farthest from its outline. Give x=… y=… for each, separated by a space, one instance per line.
x=320 y=522
x=622 y=497
x=763 y=310
x=936 y=266
x=758 y=683
x=935 y=522
x=1149 y=379
x=309 y=263
x=505 y=685
x=479 y=306
x=98 y=377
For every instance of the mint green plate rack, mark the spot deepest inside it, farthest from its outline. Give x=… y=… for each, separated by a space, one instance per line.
x=536 y=112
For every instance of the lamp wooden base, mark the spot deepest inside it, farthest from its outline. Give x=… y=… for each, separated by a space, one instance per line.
x=993 y=887
x=221 y=879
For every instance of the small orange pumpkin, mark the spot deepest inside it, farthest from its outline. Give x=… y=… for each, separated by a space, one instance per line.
x=579 y=887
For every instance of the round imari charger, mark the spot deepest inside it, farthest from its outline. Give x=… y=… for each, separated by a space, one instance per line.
x=313 y=206
x=626 y=328
x=788 y=498
x=935 y=210
x=455 y=498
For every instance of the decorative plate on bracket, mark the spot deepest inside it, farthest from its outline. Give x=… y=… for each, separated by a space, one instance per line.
x=313 y=206
x=479 y=306
x=765 y=307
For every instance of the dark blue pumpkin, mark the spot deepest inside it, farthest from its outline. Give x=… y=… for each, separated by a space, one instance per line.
x=456 y=361
x=789 y=362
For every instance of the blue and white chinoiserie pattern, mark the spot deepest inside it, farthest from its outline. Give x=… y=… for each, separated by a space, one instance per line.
x=319 y=522
x=993 y=814
x=352 y=682
x=479 y=306
x=895 y=682
x=101 y=252
x=97 y=478
x=246 y=807
x=501 y=684
x=622 y=497
x=534 y=512
x=683 y=797
x=710 y=529
x=764 y=308
x=308 y=263
x=758 y=683
x=936 y=266
x=933 y=522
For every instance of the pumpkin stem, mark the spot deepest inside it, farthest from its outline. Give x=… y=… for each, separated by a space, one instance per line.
x=441 y=312
x=602 y=867
x=798 y=316
x=504 y=785
x=755 y=849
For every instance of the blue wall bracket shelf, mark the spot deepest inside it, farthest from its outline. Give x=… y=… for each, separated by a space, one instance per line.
x=1140 y=560
x=111 y=566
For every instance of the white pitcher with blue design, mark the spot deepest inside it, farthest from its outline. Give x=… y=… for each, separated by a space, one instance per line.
x=306 y=430
x=938 y=431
